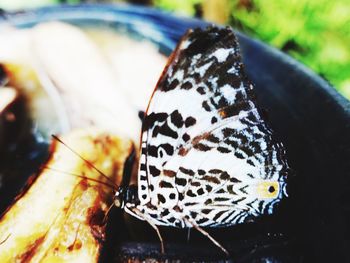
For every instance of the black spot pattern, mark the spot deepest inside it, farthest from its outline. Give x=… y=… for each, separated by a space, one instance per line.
x=201 y=172
x=190 y=121
x=152 y=151
x=222 y=96
x=201 y=90
x=154 y=171
x=164 y=184
x=186 y=137
x=180 y=181
x=161 y=198
x=186 y=171
x=176 y=119
x=201 y=147
x=187 y=85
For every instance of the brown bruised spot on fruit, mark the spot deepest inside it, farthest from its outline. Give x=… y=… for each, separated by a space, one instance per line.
x=84 y=184
x=32 y=248
x=97 y=223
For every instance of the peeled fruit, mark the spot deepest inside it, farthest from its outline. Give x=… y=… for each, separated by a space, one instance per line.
x=60 y=216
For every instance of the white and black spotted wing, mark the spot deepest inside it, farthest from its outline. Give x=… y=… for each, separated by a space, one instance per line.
x=207 y=154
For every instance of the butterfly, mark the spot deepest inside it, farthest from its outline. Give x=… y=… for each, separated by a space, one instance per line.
x=208 y=158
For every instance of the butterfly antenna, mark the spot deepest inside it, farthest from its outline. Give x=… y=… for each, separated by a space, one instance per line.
x=138 y=212
x=86 y=161
x=112 y=186
x=3 y=241
x=205 y=233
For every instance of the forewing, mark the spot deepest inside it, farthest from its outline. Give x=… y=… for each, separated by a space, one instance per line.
x=203 y=138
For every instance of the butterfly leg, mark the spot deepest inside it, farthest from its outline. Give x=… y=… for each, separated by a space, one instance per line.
x=137 y=212
x=205 y=233
x=105 y=218
x=188 y=234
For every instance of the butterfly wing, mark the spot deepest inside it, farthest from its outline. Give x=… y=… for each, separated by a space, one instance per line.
x=205 y=147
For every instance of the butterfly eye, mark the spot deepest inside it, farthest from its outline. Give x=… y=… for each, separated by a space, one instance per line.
x=118 y=202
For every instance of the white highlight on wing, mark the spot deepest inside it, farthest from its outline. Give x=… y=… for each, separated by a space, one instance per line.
x=201 y=70
x=233 y=70
x=185 y=44
x=229 y=93
x=221 y=54
x=179 y=75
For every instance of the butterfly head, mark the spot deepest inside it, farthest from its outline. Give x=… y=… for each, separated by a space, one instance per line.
x=125 y=195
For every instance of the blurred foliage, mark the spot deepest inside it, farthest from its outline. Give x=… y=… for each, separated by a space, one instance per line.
x=187 y=7
x=316 y=32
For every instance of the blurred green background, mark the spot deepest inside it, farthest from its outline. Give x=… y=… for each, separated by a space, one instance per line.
x=315 y=32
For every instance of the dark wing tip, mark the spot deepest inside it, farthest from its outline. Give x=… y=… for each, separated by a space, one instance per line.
x=204 y=40
x=199 y=41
